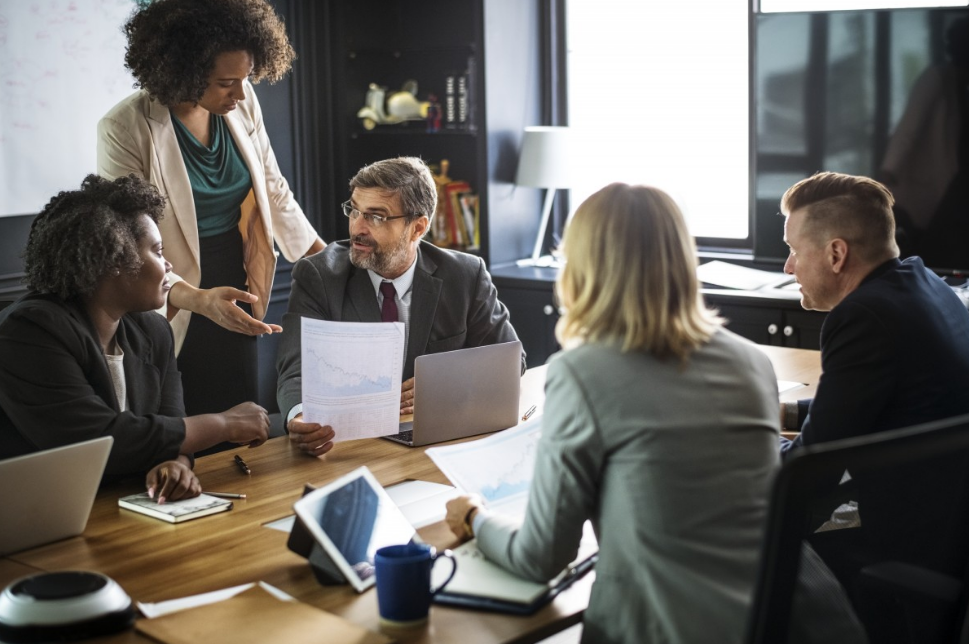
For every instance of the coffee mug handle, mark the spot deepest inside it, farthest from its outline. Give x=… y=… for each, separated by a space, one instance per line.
x=454 y=569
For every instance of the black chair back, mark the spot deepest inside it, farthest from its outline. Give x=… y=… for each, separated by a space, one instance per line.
x=817 y=471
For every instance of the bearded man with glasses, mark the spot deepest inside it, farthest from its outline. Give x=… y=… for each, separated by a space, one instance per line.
x=385 y=272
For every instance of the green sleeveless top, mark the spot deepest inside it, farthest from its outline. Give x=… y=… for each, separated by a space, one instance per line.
x=219 y=177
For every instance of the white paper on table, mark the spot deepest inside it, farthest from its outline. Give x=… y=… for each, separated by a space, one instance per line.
x=729 y=275
x=283 y=525
x=422 y=502
x=499 y=468
x=352 y=376
x=157 y=609
x=788 y=385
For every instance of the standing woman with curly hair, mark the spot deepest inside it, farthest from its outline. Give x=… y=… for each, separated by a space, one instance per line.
x=84 y=355
x=195 y=131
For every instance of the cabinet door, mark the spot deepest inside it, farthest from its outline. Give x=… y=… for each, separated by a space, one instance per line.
x=759 y=324
x=802 y=329
x=533 y=314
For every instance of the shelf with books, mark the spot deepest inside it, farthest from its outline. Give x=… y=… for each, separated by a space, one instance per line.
x=451 y=49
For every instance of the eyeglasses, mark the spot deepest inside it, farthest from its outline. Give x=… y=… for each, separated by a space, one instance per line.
x=372 y=220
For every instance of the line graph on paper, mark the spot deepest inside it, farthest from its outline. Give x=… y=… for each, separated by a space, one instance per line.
x=362 y=372
x=499 y=467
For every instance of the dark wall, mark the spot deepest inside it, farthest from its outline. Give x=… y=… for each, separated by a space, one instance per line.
x=513 y=80
x=13 y=238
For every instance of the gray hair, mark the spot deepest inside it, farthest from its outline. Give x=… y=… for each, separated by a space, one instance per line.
x=407 y=177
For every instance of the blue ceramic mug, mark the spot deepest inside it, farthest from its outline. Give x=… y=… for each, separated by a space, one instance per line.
x=404 y=582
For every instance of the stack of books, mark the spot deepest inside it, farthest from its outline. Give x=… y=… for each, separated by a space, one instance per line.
x=456 y=221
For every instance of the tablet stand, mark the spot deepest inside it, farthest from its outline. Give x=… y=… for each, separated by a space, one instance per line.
x=325 y=571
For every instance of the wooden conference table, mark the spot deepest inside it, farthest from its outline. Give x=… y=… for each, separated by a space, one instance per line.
x=155 y=561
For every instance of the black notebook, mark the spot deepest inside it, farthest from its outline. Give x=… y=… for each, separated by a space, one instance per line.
x=480 y=583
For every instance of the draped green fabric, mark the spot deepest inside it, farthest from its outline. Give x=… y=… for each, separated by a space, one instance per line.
x=219 y=177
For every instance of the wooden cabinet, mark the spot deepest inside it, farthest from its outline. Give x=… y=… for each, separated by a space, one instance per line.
x=528 y=293
x=765 y=320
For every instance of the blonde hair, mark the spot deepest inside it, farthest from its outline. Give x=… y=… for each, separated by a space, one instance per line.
x=630 y=276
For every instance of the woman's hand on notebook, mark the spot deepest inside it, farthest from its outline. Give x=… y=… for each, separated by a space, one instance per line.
x=172 y=480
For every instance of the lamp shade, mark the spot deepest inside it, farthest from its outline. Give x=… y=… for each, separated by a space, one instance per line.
x=545 y=158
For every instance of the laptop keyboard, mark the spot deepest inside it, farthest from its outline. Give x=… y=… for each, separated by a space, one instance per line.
x=406 y=436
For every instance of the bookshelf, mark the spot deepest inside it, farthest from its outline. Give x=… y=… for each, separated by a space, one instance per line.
x=390 y=42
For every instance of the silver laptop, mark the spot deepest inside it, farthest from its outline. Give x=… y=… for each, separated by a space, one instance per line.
x=48 y=495
x=463 y=393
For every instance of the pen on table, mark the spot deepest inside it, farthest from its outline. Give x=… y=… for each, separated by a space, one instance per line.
x=226 y=495
x=528 y=413
x=242 y=465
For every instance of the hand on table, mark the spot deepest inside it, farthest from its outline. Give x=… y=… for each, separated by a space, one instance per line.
x=407 y=397
x=172 y=480
x=312 y=438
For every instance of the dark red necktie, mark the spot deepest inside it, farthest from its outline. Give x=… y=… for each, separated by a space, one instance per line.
x=388 y=313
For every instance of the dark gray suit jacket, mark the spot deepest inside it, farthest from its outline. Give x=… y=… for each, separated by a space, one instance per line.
x=454 y=305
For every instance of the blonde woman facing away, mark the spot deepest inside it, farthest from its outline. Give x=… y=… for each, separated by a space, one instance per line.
x=660 y=427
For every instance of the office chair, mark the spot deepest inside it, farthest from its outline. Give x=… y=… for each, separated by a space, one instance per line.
x=924 y=604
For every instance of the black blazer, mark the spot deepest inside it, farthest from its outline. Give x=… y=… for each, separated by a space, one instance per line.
x=895 y=353
x=55 y=387
x=454 y=305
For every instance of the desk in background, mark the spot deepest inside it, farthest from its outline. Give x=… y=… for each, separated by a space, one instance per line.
x=155 y=561
x=774 y=318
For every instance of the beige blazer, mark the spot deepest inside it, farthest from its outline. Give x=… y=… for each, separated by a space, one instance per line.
x=137 y=137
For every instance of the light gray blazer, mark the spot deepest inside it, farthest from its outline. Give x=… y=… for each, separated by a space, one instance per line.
x=672 y=463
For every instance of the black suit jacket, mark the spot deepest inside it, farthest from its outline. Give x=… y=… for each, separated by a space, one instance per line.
x=454 y=305
x=895 y=353
x=55 y=387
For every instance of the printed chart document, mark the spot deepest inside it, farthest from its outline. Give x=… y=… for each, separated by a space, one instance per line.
x=352 y=376
x=499 y=468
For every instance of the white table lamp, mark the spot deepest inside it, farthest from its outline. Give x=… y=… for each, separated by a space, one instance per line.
x=544 y=163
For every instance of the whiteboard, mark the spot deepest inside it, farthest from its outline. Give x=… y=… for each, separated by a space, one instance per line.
x=61 y=69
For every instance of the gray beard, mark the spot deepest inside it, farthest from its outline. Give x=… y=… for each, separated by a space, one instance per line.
x=383 y=262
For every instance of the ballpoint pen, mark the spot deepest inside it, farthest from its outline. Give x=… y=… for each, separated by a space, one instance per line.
x=242 y=465
x=226 y=495
x=528 y=413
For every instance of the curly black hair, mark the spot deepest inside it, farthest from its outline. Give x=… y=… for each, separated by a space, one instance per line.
x=82 y=235
x=172 y=44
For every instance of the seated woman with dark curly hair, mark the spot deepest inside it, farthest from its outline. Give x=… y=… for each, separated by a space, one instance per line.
x=83 y=354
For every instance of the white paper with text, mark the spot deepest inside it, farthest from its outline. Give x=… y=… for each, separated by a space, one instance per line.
x=352 y=376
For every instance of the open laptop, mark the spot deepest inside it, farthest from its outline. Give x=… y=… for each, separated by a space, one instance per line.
x=48 y=495
x=463 y=393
